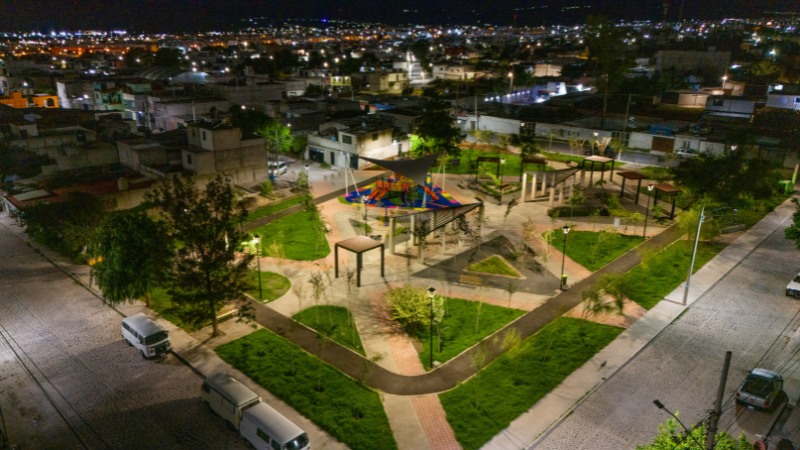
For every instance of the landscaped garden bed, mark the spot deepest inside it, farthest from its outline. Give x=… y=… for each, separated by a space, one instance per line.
x=333 y=322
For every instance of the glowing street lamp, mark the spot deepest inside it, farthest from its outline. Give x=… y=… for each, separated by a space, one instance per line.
x=565 y=229
x=647 y=211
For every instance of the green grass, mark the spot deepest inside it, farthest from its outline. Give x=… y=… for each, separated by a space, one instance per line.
x=486 y=404
x=273 y=286
x=650 y=282
x=341 y=406
x=468 y=157
x=333 y=322
x=298 y=236
x=494 y=265
x=274 y=207
x=188 y=317
x=458 y=328
x=655 y=173
x=594 y=250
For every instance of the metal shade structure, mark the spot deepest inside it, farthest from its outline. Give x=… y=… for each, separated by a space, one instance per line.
x=415 y=169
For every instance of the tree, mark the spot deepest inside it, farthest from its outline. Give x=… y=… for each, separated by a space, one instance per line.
x=167 y=57
x=437 y=130
x=526 y=143
x=728 y=177
x=248 y=120
x=411 y=307
x=607 y=55
x=206 y=225
x=66 y=225
x=672 y=437
x=792 y=232
x=136 y=253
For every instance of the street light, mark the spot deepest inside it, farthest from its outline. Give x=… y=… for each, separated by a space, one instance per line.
x=308 y=180
x=565 y=229
x=647 y=211
x=510 y=82
x=661 y=406
x=500 y=163
x=694 y=249
x=257 y=240
x=594 y=144
x=431 y=294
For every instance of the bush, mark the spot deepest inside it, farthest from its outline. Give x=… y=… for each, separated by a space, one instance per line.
x=578 y=211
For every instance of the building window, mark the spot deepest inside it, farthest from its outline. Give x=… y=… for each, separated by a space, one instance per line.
x=347 y=139
x=189 y=159
x=374 y=136
x=204 y=135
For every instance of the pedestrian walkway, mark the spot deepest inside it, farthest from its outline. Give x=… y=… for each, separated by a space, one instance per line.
x=392 y=365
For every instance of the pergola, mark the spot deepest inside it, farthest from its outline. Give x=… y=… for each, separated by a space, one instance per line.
x=667 y=188
x=602 y=160
x=357 y=245
x=632 y=176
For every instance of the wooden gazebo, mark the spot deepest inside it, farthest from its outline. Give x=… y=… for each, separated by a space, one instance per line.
x=357 y=245
x=667 y=188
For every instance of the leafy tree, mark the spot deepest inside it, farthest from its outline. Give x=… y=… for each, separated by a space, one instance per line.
x=136 y=254
x=672 y=437
x=65 y=225
x=248 y=120
x=437 y=130
x=167 y=57
x=526 y=143
x=411 y=307
x=607 y=55
x=792 y=232
x=206 y=225
x=727 y=178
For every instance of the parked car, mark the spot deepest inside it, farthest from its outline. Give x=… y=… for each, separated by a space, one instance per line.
x=761 y=389
x=793 y=288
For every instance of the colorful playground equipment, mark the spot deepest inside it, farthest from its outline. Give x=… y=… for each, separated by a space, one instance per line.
x=401 y=192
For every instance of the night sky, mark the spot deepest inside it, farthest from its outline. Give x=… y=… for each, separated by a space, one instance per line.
x=192 y=15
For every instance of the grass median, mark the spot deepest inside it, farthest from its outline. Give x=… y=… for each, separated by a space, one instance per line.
x=346 y=409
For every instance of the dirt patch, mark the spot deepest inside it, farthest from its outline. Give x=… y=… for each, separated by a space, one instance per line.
x=631 y=312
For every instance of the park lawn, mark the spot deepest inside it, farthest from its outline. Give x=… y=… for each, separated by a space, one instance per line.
x=485 y=405
x=334 y=322
x=299 y=237
x=272 y=208
x=594 y=250
x=649 y=283
x=343 y=407
x=467 y=158
x=493 y=265
x=465 y=324
x=188 y=317
x=273 y=286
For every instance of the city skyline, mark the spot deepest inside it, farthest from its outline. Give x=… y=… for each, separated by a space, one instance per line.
x=203 y=15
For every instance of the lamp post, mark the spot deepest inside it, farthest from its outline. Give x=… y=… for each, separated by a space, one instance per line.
x=257 y=240
x=510 y=82
x=431 y=295
x=661 y=406
x=308 y=180
x=694 y=249
x=565 y=229
x=647 y=211
x=594 y=143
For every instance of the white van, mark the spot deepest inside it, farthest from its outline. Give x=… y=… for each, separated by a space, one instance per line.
x=267 y=429
x=146 y=335
x=278 y=168
x=227 y=397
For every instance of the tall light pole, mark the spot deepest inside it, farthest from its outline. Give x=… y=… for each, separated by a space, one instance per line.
x=565 y=229
x=257 y=240
x=694 y=249
x=594 y=143
x=308 y=180
x=510 y=83
x=431 y=295
x=647 y=211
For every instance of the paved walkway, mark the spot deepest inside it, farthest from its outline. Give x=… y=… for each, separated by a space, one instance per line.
x=392 y=365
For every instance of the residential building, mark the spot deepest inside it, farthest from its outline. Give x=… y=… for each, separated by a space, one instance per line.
x=341 y=143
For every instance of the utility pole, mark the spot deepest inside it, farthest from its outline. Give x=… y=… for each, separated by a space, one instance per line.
x=625 y=122
x=713 y=420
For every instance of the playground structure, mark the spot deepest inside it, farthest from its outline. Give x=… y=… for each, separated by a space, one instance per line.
x=400 y=192
x=410 y=186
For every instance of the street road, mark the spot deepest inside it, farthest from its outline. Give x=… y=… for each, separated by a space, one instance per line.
x=746 y=312
x=69 y=381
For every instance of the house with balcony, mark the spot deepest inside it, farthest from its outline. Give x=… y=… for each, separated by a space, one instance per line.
x=342 y=142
